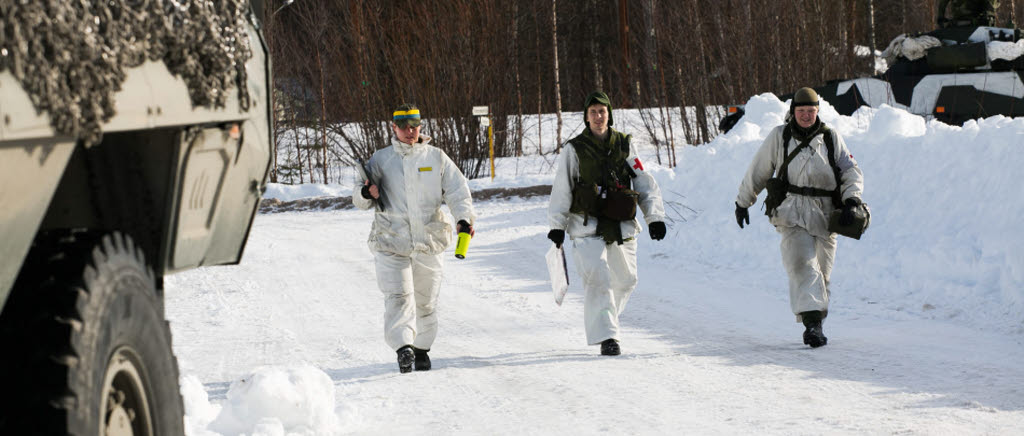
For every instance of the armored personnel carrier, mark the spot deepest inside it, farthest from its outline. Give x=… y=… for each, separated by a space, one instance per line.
x=951 y=75
x=134 y=143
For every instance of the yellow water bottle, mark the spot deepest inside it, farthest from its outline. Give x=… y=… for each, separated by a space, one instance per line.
x=463 y=245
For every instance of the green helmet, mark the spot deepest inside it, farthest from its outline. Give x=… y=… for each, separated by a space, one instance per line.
x=803 y=97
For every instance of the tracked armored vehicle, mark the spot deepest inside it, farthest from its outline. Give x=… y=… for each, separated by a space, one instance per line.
x=134 y=143
x=951 y=75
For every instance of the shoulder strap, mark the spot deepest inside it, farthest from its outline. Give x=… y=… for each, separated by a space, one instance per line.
x=625 y=150
x=786 y=136
x=831 y=148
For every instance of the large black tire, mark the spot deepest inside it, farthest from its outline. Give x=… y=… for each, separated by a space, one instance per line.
x=84 y=344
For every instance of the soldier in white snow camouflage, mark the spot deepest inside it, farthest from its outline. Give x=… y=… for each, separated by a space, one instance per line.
x=409 y=232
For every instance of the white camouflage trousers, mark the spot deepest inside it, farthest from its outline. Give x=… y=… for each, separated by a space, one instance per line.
x=808 y=260
x=609 y=277
x=411 y=285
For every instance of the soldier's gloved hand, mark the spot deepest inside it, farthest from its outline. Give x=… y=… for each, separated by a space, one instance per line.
x=846 y=216
x=463 y=224
x=742 y=215
x=557 y=236
x=369 y=191
x=657 y=230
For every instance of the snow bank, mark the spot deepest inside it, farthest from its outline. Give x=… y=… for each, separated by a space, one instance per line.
x=198 y=410
x=1005 y=50
x=271 y=401
x=294 y=192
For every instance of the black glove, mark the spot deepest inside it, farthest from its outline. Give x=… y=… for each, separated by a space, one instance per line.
x=846 y=216
x=657 y=230
x=557 y=236
x=742 y=215
x=464 y=226
x=365 y=192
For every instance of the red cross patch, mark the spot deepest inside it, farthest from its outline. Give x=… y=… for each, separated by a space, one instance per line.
x=638 y=165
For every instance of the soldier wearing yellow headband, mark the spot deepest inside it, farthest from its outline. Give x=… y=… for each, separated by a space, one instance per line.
x=409 y=233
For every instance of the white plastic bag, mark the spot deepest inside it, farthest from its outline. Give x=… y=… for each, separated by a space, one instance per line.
x=557 y=271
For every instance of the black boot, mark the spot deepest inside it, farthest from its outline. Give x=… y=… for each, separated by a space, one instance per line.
x=813 y=334
x=610 y=347
x=422 y=360
x=405 y=359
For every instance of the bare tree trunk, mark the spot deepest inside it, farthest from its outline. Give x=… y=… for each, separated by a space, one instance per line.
x=558 y=87
x=624 y=41
x=666 y=113
x=596 y=58
x=309 y=155
x=298 y=148
x=323 y=112
x=515 y=71
x=540 y=99
x=903 y=16
x=703 y=86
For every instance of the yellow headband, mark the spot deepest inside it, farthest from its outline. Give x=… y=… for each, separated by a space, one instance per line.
x=402 y=115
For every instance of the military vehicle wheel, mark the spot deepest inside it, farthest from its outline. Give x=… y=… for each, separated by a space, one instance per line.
x=87 y=350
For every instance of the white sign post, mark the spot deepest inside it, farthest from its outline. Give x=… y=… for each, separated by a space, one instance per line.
x=484 y=113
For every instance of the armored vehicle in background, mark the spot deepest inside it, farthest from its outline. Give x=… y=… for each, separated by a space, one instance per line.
x=951 y=75
x=134 y=143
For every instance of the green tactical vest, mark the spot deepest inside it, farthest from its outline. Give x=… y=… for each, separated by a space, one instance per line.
x=602 y=165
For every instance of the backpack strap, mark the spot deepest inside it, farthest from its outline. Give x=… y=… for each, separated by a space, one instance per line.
x=787 y=134
x=625 y=150
x=830 y=145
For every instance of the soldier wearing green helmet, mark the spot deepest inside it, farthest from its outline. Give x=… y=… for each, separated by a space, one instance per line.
x=816 y=176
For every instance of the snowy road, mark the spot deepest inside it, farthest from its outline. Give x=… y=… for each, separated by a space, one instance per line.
x=709 y=348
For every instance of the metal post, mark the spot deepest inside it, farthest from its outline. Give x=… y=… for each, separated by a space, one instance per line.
x=490 y=140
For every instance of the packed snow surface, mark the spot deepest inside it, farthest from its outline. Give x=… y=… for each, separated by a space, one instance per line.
x=926 y=325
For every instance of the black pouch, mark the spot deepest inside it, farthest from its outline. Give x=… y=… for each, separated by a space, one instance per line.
x=620 y=204
x=776 y=188
x=861 y=221
x=585 y=199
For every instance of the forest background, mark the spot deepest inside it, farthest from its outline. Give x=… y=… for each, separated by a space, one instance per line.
x=341 y=67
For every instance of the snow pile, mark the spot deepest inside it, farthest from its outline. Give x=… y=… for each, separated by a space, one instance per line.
x=198 y=410
x=888 y=123
x=271 y=401
x=1005 y=50
x=307 y=190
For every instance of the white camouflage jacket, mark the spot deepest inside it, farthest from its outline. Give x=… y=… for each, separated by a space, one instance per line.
x=810 y=168
x=415 y=181
x=568 y=170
